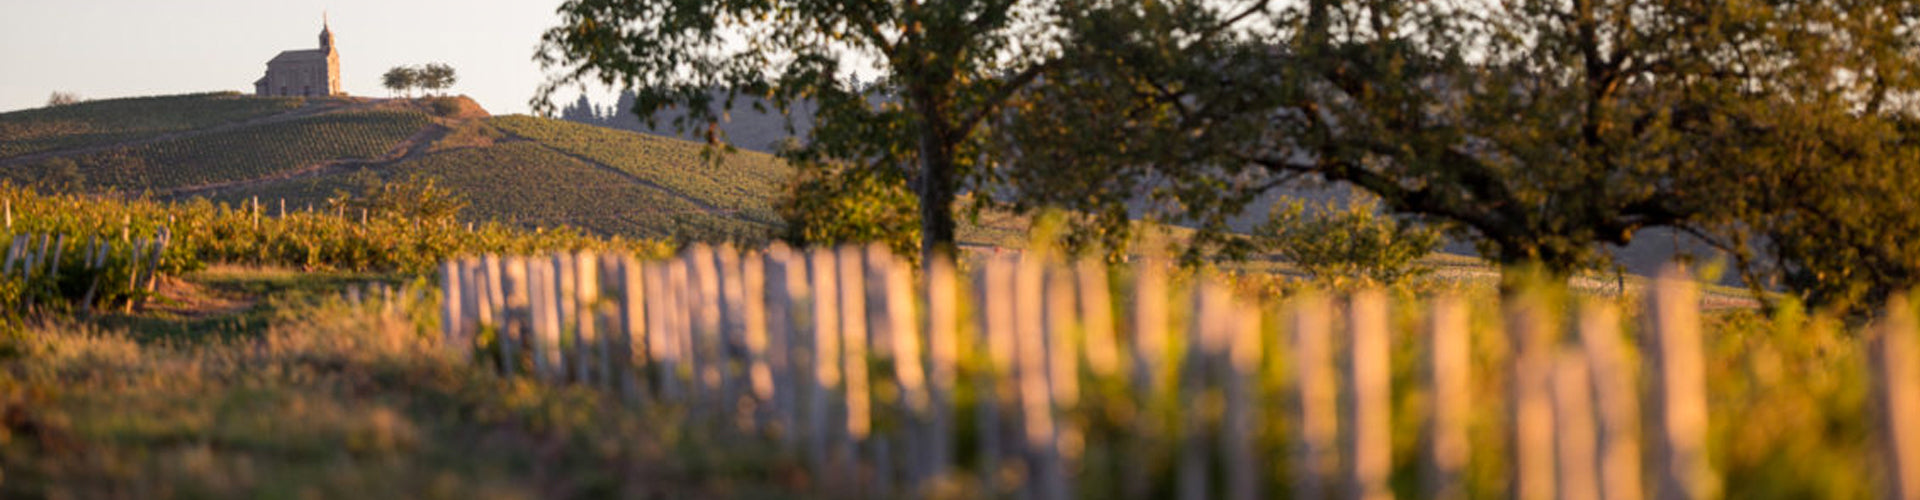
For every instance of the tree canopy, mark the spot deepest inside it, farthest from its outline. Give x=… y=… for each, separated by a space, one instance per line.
x=1540 y=130
x=902 y=90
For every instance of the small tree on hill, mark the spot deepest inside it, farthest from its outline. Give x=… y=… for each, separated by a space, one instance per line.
x=401 y=79
x=436 y=77
x=62 y=98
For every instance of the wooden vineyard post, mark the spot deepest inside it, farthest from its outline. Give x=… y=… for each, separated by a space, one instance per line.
x=1063 y=367
x=513 y=290
x=734 y=372
x=1678 y=398
x=1616 y=400
x=486 y=271
x=788 y=356
x=1574 y=446
x=1371 y=449
x=943 y=318
x=753 y=314
x=1316 y=397
x=825 y=360
x=566 y=309
x=1202 y=349
x=1894 y=360
x=663 y=352
x=587 y=334
x=450 y=314
x=853 y=350
x=909 y=365
x=631 y=331
x=1148 y=347
x=704 y=306
x=544 y=321
x=1530 y=332
x=1046 y=480
x=1096 y=319
x=1450 y=384
x=997 y=389
x=1238 y=373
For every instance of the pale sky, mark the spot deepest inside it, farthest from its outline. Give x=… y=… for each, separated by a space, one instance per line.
x=120 y=48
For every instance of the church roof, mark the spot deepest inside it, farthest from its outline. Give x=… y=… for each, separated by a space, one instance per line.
x=300 y=56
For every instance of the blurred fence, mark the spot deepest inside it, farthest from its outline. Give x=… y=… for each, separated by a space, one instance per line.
x=1045 y=380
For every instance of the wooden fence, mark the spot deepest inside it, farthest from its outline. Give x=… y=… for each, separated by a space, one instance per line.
x=885 y=380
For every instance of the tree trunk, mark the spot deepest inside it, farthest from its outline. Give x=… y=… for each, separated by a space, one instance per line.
x=936 y=191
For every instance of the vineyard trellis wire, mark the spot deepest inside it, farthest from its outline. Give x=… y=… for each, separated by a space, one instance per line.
x=1027 y=380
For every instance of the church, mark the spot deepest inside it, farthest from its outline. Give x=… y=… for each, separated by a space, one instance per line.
x=310 y=72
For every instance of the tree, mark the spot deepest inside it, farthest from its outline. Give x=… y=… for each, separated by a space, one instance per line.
x=944 y=70
x=1540 y=130
x=62 y=98
x=436 y=77
x=401 y=79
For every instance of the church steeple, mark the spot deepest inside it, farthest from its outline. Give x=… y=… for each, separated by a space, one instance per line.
x=326 y=33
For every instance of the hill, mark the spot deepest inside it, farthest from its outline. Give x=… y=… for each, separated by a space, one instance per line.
x=294 y=152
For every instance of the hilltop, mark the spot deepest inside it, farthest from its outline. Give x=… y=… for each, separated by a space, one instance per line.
x=525 y=171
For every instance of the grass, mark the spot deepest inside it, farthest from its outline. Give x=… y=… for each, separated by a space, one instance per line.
x=321 y=398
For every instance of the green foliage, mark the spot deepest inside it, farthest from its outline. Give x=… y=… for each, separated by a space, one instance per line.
x=1540 y=130
x=827 y=206
x=414 y=198
x=204 y=232
x=401 y=79
x=1356 y=244
x=946 y=70
x=108 y=121
x=437 y=77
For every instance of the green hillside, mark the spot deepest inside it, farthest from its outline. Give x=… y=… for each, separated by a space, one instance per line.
x=519 y=170
x=116 y=120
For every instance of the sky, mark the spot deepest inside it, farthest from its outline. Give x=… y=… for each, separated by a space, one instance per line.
x=121 y=48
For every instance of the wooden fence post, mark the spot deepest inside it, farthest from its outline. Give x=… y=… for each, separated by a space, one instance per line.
x=1046 y=479
x=1240 y=373
x=997 y=385
x=1679 y=403
x=545 y=331
x=511 y=289
x=450 y=314
x=1616 y=396
x=1147 y=347
x=1530 y=333
x=1316 y=396
x=1369 y=380
x=1450 y=387
x=1574 y=447
x=789 y=355
x=1894 y=360
x=853 y=350
x=942 y=353
x=825 y=359
x=753 y=314
x=631 y=332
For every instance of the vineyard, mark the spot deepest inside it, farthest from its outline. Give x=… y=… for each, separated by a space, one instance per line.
x=528 y=184
x=741 y=182
x=113 y=120
x=250 y=153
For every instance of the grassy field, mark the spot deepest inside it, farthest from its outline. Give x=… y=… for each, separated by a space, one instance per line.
x=265 y=383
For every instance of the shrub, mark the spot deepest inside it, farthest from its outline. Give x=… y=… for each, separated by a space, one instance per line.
x=1351 y=243
x=829 y=206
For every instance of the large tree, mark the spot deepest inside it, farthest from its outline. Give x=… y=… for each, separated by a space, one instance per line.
x=938 y=73
x=1541 y=130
